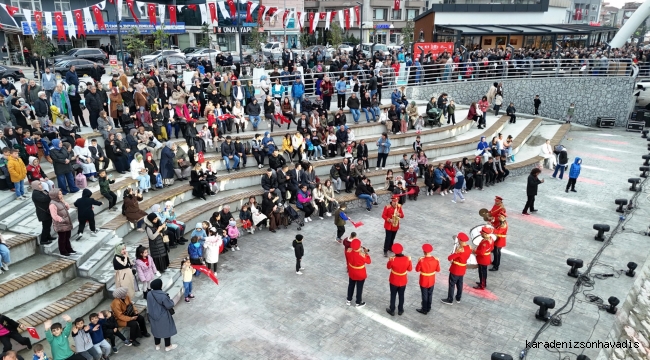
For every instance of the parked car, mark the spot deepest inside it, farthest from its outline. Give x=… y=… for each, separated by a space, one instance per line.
x=345 y=47
x=274 y=49
x=191 y=49
x=369 y=49
x=12 y=74
x=82 y=67
x=161 y=52
x=155 y=61
x=92 y=54
x=212 y=53
x=327 y=52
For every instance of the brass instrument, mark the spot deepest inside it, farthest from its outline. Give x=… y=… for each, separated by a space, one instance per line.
x=485 y=214
x=395 y=219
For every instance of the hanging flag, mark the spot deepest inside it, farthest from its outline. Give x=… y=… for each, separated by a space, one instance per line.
x=351 y=17
x=38 y=18
x=311 y=18
x=192 y=7
x=98 y=17
x=250 y=7
x=260 y=14
x=204 y=14
x=141 y=8
x=272 y=11
x=102 y=5
x=111 y=1
x=60 y=30
x=300 y=18
x=151 y=11
x=213 y=13
x=80 y=23
x=328 y=18
x=222 y=9
x=161 y=12
x=396 y=5
x=341 y=19
x=346 y=13
x=284 y=18
x=205 y=270
x=357 y=15
x=69 y=18
x=11 y=10
x=88 y=19
x=129 y=4
x=172 y=14
x=233 y=8
x=48 y=23
x=357 y=224
x=317 y=17
x=28 y=17
x=119 y=9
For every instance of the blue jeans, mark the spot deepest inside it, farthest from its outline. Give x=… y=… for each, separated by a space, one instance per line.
x=296 y=101
x=372 y=93
x=255 y=120
x=187 y=286
x=561 y=169
x=318 y=151
x=376 y=111
x=365 y=110
x=356 y=114
x=235 y=158
x=368 y=199
x=69 y=179
x=144 y=182
x=5 y=257
x=20 y=188
x=139 y=224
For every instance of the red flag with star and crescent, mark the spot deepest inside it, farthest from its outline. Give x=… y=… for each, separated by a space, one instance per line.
x=172 y=14
x=33 y=333
x=298 y=17
x=233 y=8
x=99 y=19
x=284 y=17
x=311 y=22
x=357 y=16
x=205 y=270
x=60 y=30
x=151 y=11
x=192 y=7
x=249 y=15
x=12 y=10
x=38 y=17
x=396 y=5
x=213 y=12
x=260 y=13
x=129 y=4
x=272 y=11
x=78 y=16
x=346 y=16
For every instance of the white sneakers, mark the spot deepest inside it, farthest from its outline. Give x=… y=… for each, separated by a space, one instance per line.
x=5 y=267
x=237 y=248
x=328 y=214
x=299 y=272
x=172 y=347
x=158 y=274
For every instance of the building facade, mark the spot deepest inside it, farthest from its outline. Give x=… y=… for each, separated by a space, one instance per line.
x=290 y=34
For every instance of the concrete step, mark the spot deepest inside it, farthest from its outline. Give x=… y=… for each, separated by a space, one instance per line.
x=99 y=257
x=85 y=247
x=21 y=246
x=33 y=277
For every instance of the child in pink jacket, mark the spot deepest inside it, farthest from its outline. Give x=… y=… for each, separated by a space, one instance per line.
x=145 y=268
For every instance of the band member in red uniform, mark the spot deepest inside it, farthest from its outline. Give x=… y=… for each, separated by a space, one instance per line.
x=357 y=257
x=457 y=269
x=391 y=215
x=484 y=256
x=427 y=266
x=501 y=230
x=497 y=208
x=399 y=265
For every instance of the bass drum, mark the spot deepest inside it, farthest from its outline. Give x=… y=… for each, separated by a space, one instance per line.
x=475 y=234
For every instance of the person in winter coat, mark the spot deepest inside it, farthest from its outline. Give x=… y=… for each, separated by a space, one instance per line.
x=574 y=172
x=167 y=163
x=562 y=162
x=131 y=208
x=155 y=232
x=145 y=268
x=62 y=167
x=85 y=212
x=41 y=199
x=212 y=246
x=18 y=173
x=135 y=321
x=159 y=311
x=531 y=190
x=62 y=222
x=12 y=330
x=123 y=270
x=299 y=251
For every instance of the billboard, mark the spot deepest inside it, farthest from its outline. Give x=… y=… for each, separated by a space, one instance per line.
x=434 y=49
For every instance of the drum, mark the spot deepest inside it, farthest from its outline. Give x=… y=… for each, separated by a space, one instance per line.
x=475 y=234
x=471 y=262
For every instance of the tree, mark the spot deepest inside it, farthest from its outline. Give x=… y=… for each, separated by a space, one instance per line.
x=351 y=39
x=257 y=38
x=134 y=43
x=205 y=41
x=408 y=35
x=159 y=37
x=42 y=46
x=304 y=38
x=335 y=35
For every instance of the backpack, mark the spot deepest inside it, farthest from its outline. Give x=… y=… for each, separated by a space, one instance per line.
x=557 y=149
x=31 y=149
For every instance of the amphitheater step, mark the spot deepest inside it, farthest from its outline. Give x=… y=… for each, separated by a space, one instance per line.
x=85 y=247
x=21 y=246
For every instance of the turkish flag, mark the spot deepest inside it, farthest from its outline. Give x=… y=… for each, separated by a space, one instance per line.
x=172 y=14
x=33 y=333
x=151 y=11
x=38 y=17
x=298 y=17
x=346 y=16
x=396 y=5
x=249 y=15
x=78 y=16
x=205 y=270
x=311 y=22
x=356 y=224
x=213 y=12
x=233 y=8
x=357 y=15
x=129 y=4
x=284 y=17
x=12 y=10
x=260 y=13
x=272 y=11
x=60 y=30
x=99 y=19
x=192 y=7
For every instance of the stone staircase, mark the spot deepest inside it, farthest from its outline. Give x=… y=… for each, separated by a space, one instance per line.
x=42 y=285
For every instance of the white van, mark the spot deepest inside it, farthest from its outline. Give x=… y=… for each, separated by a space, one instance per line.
x=370 y=48
x=273 y=48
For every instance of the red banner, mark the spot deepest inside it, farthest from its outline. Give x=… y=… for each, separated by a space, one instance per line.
x=205 y=270
x=233 y=8
x=192 y=7
x=99 y=19
x=311 y=22
x=12 y=10
x=260 y=13
x=298 y=14
x=213 y=12
x=129 y=4
x=38 y=17
x=435 y=49
x=271 y=11
x=172 y=14
x=151 y=11
x=346 y=16
x=357 y=15
x=60 y=30
x=396 y=5
x=332 y=14
x=284 y=18
x=78 y=16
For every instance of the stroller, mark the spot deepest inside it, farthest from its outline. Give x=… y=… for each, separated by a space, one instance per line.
x=433 y=117
x=292 y=215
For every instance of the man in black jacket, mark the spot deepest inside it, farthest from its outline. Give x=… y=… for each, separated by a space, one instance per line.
x=98 y=154
x=229 y=154
x=341 y=139
x=41 y=108
x=226 y=216
x=344 y=173
x=363 y=192
x=41 y=199
x=284 y=181
x=94 y=105
x=298 y=178
x=276 y=161
x=62 y=167
x=270 y=183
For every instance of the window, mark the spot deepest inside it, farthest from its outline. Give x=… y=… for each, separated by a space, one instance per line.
x=396 y=15
x=61 y=5
x=412 y=13
x=379 y=14
x=27 y=4
x=394 y=39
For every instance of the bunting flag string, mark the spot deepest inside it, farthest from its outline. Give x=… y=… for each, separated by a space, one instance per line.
x=38 y=17
x=88 y=20
x=129 y=4
x=99 y=18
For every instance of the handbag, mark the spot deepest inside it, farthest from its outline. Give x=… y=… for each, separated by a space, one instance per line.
x=279 y=209
x=130 y=310
x=120 y=107
x=183 y=165
x=165 y=238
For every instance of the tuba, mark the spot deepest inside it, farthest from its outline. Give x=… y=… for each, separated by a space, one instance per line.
x=395 y=219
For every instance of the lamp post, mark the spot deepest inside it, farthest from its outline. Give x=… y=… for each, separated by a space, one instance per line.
x=360 y=22
x=119 y=36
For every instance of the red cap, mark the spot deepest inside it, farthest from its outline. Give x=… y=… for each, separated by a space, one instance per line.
x=355 y=244
x=397 y=248
x=486 y=230
x=395 y=198
x=462 y=237
x=427 y=248
x=498 y=198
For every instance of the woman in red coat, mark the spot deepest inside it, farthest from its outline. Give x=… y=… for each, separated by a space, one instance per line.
x=451 y=172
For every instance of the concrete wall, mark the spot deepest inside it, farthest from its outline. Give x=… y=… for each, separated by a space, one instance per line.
x=593 y=96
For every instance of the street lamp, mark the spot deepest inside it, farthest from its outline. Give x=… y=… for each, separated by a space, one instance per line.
x=119 y=36
x=361 y=23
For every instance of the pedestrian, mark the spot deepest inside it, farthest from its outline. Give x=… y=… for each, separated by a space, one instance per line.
x=41 y=199
x=62 y=223
x=537 y=102
x=562 y=163
x=458 y=186
x=356 y=257
x=399 y=265
x=457 y=269
x=531 y=190
x=427 y=266
x=570 y=113
x=574 y=172
x=187 y=272
x=340 y=217
x=85 y=212
x=299 y=251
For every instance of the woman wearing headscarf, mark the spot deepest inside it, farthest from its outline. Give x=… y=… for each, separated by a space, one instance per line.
x=127 y=315
x=199 y=183
x=116 y=100
x=61 y=99
x=67 y=131
x=123 y=274
x=181 y=163
x=105 y=124
x=115 y=154
x=167 y=163
x=139 y=172
x=155 y=232
x=173 y=233
x=62 y=221
x=85 y=158
x=132 y=143
x=75 y=106
x=154 y=174
x=162 y=323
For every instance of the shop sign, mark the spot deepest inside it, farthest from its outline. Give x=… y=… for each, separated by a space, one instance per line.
x=594 y=23
x=435 y=49
x=111 y=28
x=112 y=60
x=232 y=30
x=382 y=26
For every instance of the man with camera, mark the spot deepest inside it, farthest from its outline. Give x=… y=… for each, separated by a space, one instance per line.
x=357 y=257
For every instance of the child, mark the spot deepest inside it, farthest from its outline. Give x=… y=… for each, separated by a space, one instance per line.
x=80 y=180
x=57 y=337
x=299 y=250
x=570 y=112
x=199 y=232
x=537 y=102
x=39 y=353
x=574 y=172
x=35 y=172
x=246 y=217
x=458 y=187
x=82 y=342
x=145 y=267
x=211 y=177
x=195 y=250
x=233 y=234
x=97 y=335
x=206 y=136
x=226 y=239
x=105 y=189
x=419 y=124
x=85 y=212
x=187 y=272
x=4 y=160
x=498 y=100
x=30 y=145
x=17 y=172
x=110 y=329
x=169 y=217
x=340 y=217
x=212 y=245
x=451 y=109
